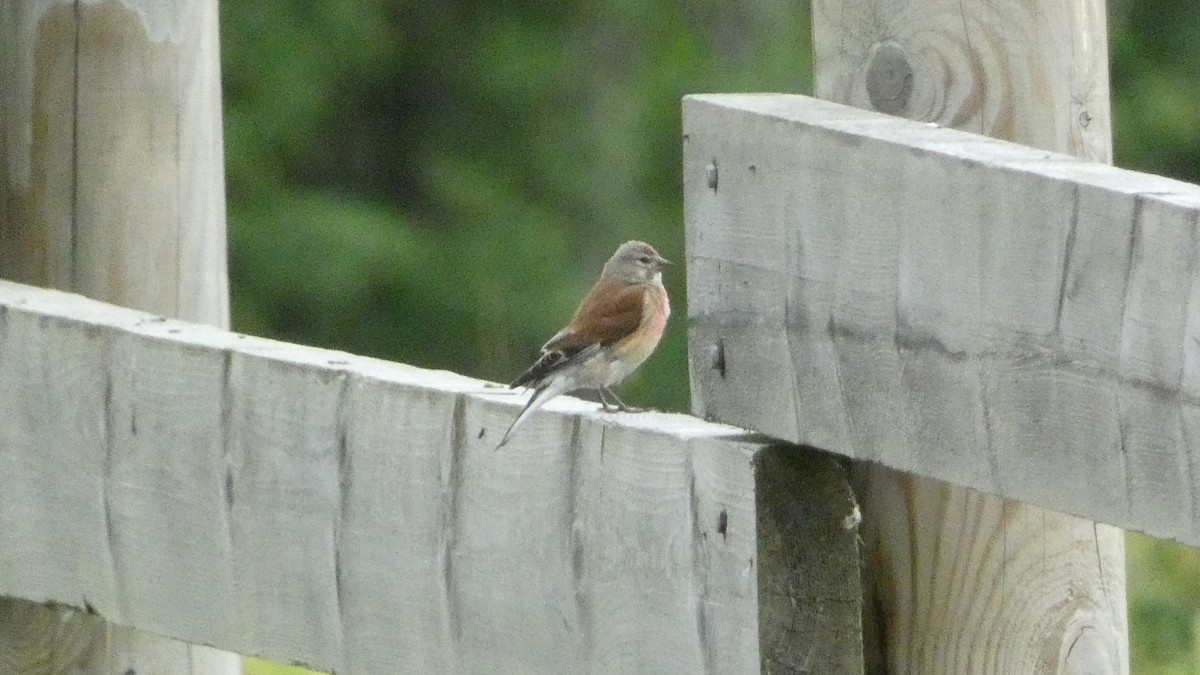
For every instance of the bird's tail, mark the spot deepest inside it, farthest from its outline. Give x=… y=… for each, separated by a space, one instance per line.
x=544 y=392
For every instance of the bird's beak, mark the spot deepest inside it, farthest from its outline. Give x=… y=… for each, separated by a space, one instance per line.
x=663 y=262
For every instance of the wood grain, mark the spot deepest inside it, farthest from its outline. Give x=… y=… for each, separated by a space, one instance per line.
x=1033 y=72
x=353 y=515
x=808 y=515
x=111 y=184
x=1029 y=71
x=111 y=162
x=970 y=583
x=939 y=302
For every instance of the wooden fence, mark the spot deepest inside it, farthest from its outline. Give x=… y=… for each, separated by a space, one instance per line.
x=112 y=185
x=1033 y=72
x=997 y=320
x=353 y=515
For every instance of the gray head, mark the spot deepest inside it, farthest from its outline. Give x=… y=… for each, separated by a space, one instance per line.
x=635 y=262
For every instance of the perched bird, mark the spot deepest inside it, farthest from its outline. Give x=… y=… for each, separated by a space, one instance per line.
x=616 y=327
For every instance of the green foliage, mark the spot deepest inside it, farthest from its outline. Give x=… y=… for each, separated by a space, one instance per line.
x=1156 y=87
x=1164 y=606
x=253 y=666
x=438 y=183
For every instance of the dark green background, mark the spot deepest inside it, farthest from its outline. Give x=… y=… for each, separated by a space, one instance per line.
x=439 y=183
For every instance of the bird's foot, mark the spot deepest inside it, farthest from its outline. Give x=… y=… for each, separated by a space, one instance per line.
x=621 y=406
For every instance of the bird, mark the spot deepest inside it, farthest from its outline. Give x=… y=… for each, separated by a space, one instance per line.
x=614 y=330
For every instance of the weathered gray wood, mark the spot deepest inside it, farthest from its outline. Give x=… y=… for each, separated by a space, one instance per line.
x=111 y=184
x=1029 y=71
x=1033 y=72
x=939 y=302
x=354 y=515
x=808 y=532
x=111 y=164
x=160 y=397
x=400 y=494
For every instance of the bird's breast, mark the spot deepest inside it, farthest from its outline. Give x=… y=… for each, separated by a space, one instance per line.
x=635 y=349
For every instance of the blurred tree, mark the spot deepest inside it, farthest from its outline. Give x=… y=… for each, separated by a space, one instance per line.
x=1156 y=86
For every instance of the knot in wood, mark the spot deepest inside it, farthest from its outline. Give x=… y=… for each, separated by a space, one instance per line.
x=890 y=80
x=716 y=357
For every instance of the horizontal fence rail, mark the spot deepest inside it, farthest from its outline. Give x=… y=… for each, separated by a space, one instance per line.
x=353 y=515
x=966 y=309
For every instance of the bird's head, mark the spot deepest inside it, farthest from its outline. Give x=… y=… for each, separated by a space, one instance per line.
x=635 y=262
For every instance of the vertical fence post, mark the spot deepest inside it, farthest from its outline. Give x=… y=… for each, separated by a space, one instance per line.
x=962 y=581
x=112 y=185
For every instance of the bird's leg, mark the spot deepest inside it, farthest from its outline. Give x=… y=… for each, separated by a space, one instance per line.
x=621 y=406
x=604 y=404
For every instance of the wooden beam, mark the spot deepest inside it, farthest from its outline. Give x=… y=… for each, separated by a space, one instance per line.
x=353 y=515
x=1002 y=318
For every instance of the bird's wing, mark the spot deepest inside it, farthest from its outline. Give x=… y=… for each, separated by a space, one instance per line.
x=611 y=312
x=553 y=360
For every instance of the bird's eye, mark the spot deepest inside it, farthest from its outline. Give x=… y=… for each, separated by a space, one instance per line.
x=645 y=260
